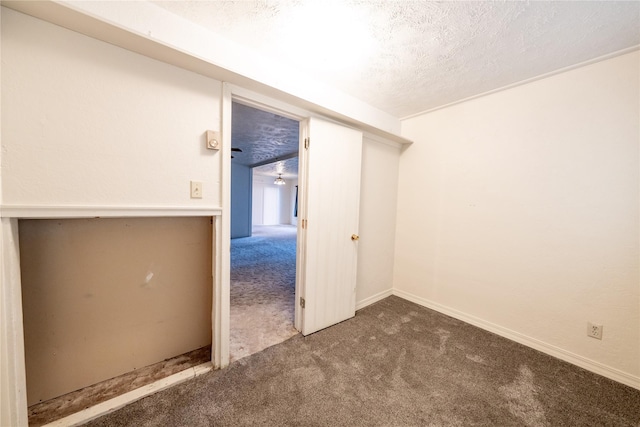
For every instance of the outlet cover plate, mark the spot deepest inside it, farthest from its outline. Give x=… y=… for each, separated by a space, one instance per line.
x=196 y=190
x=594 y=330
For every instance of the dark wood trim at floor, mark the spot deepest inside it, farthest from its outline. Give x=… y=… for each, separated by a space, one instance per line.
x=70 y=403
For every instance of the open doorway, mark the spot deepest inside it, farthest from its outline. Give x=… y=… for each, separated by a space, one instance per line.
x=264 y=178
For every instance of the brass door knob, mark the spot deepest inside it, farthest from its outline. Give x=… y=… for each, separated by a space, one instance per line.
x=355 y=237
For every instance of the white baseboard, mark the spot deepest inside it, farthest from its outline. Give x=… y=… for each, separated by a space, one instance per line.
x=374 y=298
x=567 y=356
x=118 y=402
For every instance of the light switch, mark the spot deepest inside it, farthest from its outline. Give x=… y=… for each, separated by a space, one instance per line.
x=196 y=190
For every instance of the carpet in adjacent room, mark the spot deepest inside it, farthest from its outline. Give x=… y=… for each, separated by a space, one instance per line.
x=263 y=278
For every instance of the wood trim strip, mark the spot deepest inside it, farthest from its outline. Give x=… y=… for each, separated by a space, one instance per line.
x=54 y=211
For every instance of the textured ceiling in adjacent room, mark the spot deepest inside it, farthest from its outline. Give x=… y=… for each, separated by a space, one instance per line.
x=405 y=57
x=287 y=168
x=267 y=140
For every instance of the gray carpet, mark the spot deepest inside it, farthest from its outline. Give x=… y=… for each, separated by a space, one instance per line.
x=263 y=279
x=394 y=364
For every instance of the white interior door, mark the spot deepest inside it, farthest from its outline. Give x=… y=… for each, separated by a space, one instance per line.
x=328 y=245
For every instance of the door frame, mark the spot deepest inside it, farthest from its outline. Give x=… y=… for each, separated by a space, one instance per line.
x=221 y=316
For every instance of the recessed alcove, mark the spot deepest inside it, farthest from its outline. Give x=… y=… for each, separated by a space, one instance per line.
x=106 y=297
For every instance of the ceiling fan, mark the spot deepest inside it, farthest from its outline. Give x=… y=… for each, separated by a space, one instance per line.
x=237 y=150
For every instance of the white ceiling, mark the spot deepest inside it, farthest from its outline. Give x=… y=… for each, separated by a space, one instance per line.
x=405 y=57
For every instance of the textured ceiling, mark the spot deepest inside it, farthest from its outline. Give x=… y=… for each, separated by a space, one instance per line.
x=264 y=138
x=288 y=168
x=405 y=57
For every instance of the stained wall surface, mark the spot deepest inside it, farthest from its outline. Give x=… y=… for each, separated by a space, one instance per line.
x=102 y=297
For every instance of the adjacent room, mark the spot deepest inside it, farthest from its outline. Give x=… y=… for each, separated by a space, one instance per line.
x=264 y=195
x=334 y=213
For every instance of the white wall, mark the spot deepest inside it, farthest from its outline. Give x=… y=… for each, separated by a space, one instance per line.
x=519 y=211
x=259 y=204
x=378 y=194
x=85 y=123
x=286 y=206
x=272 y=204
x=88 y=123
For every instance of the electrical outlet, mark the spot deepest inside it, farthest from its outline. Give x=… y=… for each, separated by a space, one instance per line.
x=594 y=331
x=196 y=190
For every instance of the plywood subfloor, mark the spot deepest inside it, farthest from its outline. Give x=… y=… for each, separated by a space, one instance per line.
x=59 y=407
